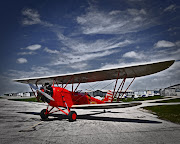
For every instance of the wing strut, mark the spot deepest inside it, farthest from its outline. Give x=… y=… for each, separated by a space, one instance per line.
x=66 y=84
x=126 y=88
x=76 y=87
x=115 y=85
x=121 y=85
x=35 y=94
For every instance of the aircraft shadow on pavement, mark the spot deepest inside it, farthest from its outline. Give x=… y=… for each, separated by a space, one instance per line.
x=92 y=117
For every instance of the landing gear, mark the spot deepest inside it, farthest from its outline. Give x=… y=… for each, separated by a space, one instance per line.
x=43 y=114
x=72 y=116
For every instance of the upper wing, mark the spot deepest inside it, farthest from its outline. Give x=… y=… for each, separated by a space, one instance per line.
x=100 y=75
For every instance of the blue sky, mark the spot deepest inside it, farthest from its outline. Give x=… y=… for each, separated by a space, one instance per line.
x=43 y=37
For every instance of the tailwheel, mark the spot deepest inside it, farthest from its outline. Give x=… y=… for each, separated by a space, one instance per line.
x=43 y=114
x=72 y=116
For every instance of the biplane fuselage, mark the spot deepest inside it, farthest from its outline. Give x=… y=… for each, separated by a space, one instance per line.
x=61 y=95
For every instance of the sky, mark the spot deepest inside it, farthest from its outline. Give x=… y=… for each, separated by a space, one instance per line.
x=51 y=37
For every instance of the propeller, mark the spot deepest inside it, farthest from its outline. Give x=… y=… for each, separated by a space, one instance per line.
x=43 y=93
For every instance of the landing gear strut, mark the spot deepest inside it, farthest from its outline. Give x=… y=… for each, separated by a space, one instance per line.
x=72 y=115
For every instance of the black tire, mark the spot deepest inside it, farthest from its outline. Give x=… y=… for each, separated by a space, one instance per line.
x=72 y=116
x=43 y=115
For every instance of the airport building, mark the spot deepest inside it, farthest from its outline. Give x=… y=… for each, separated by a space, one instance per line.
x=173 y=90
x=21 y=94
x=102 y=93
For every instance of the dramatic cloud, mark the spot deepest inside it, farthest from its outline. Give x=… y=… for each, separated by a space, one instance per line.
x=163 y=43
x=21 y=60
x=70 y=58
x=98 y=36
x=95 y=21
x=35 y=71
x=83 y=46
x=80 y=50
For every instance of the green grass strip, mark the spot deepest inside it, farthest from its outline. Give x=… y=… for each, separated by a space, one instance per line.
x=166 y=112
x=26 y=99
x=168 y=101
x=142 y=98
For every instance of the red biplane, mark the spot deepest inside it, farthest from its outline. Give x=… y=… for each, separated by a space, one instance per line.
x=59 y=97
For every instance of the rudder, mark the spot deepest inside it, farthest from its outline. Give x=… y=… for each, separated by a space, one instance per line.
x=108 y=97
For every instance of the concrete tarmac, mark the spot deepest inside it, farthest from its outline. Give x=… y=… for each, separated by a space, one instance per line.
x=20 y=123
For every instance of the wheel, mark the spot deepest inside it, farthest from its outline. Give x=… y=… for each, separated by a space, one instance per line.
x=72 y=116
x=43 y=115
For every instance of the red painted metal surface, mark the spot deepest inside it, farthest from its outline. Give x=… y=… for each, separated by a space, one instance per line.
x=65 y=98
x=74 y=116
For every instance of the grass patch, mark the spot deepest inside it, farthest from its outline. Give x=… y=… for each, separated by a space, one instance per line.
x=168 y=101
x=26 y=99
x=142 y=98
x=166 y=112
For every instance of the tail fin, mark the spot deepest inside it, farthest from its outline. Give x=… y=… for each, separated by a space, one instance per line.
x=108 y=97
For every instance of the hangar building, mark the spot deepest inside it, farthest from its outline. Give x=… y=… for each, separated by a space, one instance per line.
x=173 y=90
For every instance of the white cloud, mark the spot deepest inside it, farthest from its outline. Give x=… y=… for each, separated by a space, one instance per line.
x=21 y=60
x=26 y=53
x=79 y=66
x=114 y=12
x=133 y=54
x=82 y=46
x=95 y=21
x=80 y=50
x=50 y=51
x=177 y=43
x=71 y=58
x=170 y=8
x=163 y=43
x=34 y=71
x=31 y=17
x=33 y=47
x=136 y=12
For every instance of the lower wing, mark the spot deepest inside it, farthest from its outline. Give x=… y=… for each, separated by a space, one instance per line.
x=106 y=105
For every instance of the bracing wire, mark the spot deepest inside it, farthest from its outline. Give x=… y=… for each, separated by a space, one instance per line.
x=107 y=85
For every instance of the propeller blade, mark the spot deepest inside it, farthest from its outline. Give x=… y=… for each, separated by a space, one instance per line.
x=45 y=94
